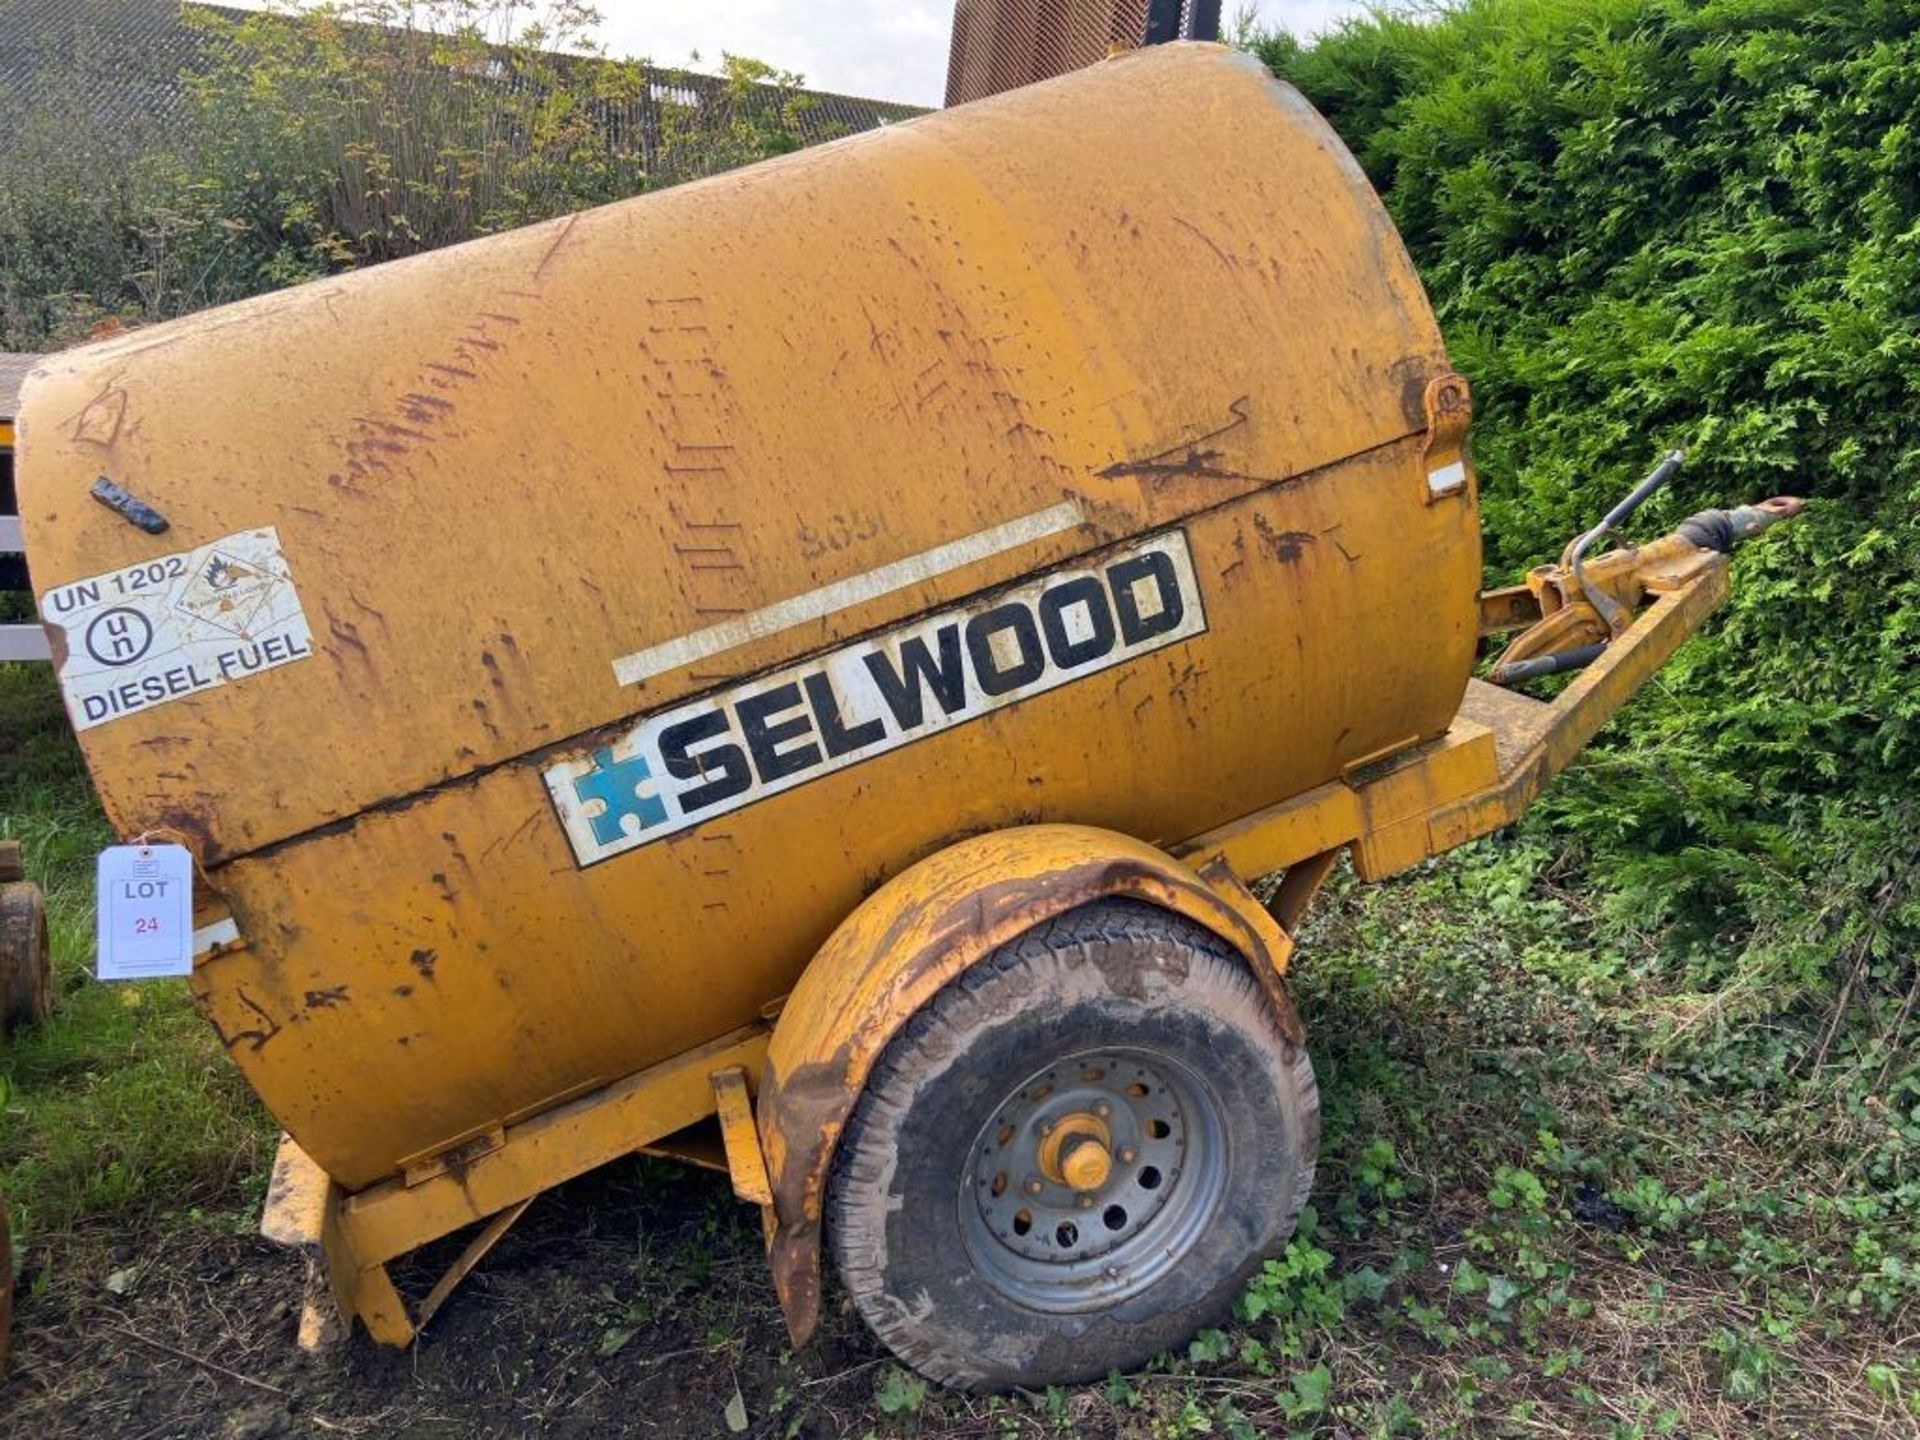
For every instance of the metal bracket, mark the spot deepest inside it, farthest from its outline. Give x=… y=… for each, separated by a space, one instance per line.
x=1443 y=453
x=456 y=1157
x=741 y=1134
x=303 y=1212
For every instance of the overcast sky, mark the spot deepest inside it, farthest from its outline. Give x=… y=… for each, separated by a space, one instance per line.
x=877 y=49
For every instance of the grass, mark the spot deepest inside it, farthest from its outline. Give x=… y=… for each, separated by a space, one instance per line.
x=1552 y=1201
x=120 y=1111
x=1591 y=1215
x=1563 y=1191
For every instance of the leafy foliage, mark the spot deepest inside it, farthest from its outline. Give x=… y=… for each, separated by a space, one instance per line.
x=322 y=136
x=80 y=221
x=1649 y=223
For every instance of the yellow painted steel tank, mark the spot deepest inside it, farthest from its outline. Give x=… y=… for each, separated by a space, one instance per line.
x=553 y=638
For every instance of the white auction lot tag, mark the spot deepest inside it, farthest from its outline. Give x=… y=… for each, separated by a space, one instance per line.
x=145 y=920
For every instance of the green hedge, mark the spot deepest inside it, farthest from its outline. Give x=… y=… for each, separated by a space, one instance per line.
x=1649 y=223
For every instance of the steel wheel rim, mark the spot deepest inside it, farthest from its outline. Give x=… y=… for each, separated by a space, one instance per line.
x=1061 y=1249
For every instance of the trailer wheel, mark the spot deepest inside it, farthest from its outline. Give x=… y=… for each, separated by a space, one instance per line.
x=25 y=982
x=1074 y=1155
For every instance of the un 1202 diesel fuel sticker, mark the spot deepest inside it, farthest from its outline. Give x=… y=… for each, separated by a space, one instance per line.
x=176 y=625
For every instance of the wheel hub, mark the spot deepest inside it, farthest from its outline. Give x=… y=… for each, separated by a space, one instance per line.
x=1076 y=1151
x=1092 y=1178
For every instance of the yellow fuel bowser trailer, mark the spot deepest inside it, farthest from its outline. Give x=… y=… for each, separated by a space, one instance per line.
x=827 y=647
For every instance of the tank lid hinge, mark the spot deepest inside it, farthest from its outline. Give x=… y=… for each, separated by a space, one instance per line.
x=1449 y=408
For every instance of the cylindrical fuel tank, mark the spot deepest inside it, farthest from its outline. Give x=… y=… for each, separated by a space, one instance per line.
x=553 y=637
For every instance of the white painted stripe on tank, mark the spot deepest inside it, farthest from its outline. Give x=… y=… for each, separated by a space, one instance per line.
x=844 y=594
x=27 y=643
x=221 y=932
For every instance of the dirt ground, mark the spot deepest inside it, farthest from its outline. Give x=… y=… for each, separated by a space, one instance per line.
x=631 y=1302
x=635 y=1302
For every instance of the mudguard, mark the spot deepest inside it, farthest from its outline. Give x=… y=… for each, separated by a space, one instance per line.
x=913 y=936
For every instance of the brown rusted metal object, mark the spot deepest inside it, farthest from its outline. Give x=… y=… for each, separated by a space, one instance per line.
x=26 y=981
x=1448 y=405
x=1003 y=44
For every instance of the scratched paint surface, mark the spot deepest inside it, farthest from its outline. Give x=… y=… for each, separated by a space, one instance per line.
x=487 y=973
x=496 y=469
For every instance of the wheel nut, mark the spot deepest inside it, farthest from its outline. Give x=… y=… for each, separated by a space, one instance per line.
x=1085 y=1202
x=1033 y=1186
x=1084 y=1163
x=1046 y=1127
x=1103 y=1109
x=1126 y=1157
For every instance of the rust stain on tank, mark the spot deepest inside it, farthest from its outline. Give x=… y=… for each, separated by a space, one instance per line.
x=1190 y=459
x=1286 y=546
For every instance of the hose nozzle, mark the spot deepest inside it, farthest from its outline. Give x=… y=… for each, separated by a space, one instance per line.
x=1721 y=530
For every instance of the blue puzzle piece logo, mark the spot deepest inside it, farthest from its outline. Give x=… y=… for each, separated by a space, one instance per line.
x=616 y=785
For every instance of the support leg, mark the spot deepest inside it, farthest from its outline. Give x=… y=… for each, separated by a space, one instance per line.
x=1298 y=887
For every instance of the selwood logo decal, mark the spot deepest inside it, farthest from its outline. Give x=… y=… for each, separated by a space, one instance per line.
x=727 y=751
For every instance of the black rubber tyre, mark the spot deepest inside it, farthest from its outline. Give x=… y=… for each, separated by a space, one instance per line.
x=1114 y=986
